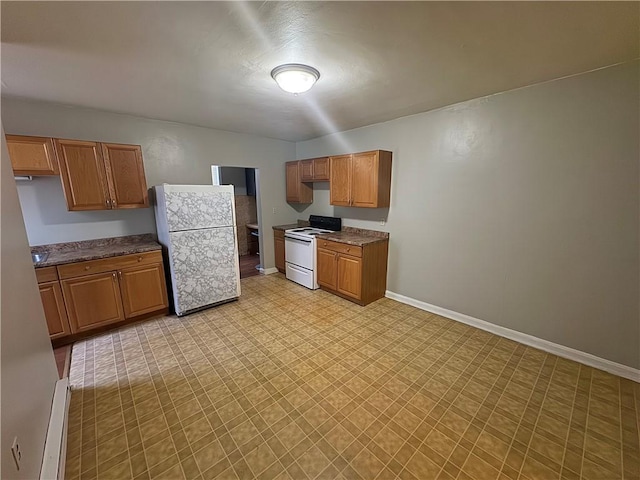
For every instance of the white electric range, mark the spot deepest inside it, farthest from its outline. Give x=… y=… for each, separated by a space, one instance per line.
x=300 y=249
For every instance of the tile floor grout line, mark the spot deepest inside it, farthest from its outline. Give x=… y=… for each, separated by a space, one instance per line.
x=539 y=413
x=533 y=391
x=586 y=426
x=573 y=408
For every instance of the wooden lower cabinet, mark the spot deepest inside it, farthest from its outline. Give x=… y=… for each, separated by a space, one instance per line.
x=93 y=301
x=143 y=290
x=54 y=310
x=349 y=274
x=353 y=272
x=327 y=268
x=278 y=245
x=97 y=293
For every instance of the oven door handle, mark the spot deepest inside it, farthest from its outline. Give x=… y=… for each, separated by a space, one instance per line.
x=297 y=239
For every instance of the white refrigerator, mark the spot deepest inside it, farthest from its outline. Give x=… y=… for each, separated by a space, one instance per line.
x=197 y=229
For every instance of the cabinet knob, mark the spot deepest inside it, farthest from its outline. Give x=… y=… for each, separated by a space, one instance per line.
x=113 y=275
x=348 y=249
x=87 y=267
x=139 y=259
x=324 y=244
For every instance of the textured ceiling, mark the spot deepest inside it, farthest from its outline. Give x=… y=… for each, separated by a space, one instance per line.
x=208 y=63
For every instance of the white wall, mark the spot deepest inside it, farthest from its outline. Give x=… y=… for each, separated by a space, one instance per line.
x=173 y=153
x=28 y=370
x=520 y=209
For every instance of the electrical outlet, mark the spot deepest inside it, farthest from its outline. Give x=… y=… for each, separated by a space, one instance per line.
x=382 y=221
x=274 y=210
x=17 y=453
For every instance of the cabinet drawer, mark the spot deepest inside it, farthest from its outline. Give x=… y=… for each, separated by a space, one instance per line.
x=341 y=247
x=46 y=274
x=108 y=264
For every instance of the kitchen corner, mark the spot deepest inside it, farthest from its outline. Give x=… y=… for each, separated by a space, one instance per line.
x=346 y=261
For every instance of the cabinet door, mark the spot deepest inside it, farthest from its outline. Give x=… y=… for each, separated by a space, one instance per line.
x=326 y=265
x=321 y=169
x=278 y=243
x=83 y=176
x=54 y=311
x=143 y=289
x=349 y=276
x=293 y=182
x=32 y=155
x=306 y=170
x=364 y=181
x=125 y=175
x=92 y=301
x=340 y=180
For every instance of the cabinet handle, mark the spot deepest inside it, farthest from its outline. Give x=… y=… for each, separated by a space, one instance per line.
x=87 y=267
x=113 y=275
x=120 y=274
x=107 y=202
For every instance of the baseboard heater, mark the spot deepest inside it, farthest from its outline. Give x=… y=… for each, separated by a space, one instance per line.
x=55 y=447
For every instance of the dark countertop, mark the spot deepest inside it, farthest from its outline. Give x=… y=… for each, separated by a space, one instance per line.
x=356 y=236
x=61 y=253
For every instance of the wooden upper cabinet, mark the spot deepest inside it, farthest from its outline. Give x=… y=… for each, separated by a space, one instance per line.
x=361 y=179
x=297 y=192
x=340 y=181
x=125 y=175
x=314 y=170
x=101 y=176
x=306 y=170
x=32 y=155
x=321 y=169
x=364 y=180
x=83 y=175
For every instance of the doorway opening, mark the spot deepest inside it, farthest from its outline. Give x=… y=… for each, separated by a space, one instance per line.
x=248 y=224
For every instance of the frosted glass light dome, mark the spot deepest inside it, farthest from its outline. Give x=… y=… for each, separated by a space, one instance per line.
x=294 y=77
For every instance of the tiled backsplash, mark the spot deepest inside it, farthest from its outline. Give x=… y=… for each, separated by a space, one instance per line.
x=246 y=212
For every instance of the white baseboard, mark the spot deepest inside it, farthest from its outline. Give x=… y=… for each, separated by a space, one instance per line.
x=55 y=447
x=268 y=271
x=539 y=343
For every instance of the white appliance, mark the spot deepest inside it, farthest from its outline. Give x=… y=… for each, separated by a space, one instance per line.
x=300 y=249
x=197 y=228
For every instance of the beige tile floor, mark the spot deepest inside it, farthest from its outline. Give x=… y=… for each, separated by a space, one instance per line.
x=292 y=384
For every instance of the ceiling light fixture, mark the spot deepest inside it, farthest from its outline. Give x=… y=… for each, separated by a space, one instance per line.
x=294 y=77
